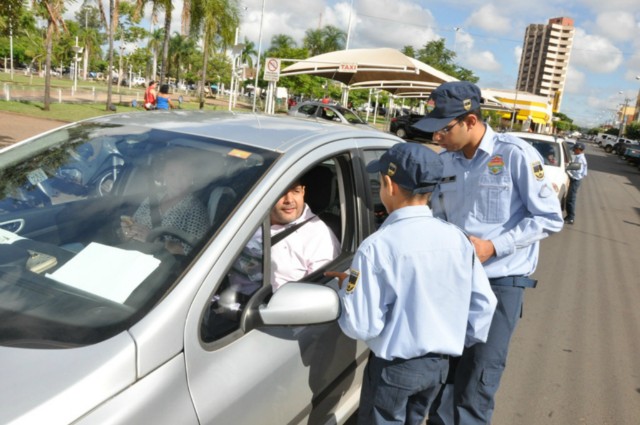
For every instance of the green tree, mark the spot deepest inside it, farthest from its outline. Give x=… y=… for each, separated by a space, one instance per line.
x=435 y=54
x=214 y=20
x=51 y=11
x=248 y=51
x=158 y=5
x=633 y=130
x=313 y=42
x=181 y=48
x=282 y=42
x=333 y=38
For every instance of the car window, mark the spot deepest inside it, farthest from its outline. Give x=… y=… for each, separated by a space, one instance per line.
x=328 y=185
x=79 y=265
x=308 y=109
x=550 y=151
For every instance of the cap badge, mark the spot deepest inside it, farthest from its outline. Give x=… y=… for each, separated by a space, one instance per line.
x=466 y=104
x=496 y=164
x=391 y=171
x=538 y=170
x=431 y=104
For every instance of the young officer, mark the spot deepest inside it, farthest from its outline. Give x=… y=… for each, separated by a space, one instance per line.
x=494 y=188
x=416 y=293
x=575 y=179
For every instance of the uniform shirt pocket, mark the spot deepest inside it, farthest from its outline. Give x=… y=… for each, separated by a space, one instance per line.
x=494 y=196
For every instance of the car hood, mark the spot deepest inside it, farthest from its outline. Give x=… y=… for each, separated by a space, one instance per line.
x=60 y=385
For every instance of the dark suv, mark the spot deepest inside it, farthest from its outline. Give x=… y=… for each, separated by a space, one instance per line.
x=402 y=127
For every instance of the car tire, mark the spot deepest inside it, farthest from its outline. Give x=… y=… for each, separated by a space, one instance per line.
x=401 y=133
x=608 y=148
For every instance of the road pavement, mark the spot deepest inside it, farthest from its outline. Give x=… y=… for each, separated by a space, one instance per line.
x=575 y=356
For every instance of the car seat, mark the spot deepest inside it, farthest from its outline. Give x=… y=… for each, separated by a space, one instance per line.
x=321 y=196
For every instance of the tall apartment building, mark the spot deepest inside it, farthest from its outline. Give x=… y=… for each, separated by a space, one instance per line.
x=545 y=59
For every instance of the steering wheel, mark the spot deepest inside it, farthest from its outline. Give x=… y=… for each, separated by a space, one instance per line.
x=172 y=231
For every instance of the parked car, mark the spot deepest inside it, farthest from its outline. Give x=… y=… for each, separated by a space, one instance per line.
x=126 y=332
x=622 y=144
x=139 y=81
x=605 y=139
x=402 y=126
x=326 y=111
x=556 y=160
x=632 y=154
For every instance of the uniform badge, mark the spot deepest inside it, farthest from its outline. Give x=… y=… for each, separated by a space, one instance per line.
x=496 y=164
x=538 y=170
x=391 y=171
x=354 y=275
x=466 y=104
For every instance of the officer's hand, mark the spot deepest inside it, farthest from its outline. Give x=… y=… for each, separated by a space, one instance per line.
x=484 y=248
x=340 y=275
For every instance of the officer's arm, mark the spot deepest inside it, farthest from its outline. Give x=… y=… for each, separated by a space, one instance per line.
x=481 y=307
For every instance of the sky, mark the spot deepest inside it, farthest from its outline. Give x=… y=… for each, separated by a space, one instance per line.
x=487 y=37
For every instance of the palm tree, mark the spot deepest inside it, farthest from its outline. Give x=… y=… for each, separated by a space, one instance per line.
x=154 y=45
x=52 y=11
x=168 y=9
x=247 y=52
x=313 y=41
x=282 y=41
x=180 y=48
x=333 y=38
x=113 y=23
x=213 y=19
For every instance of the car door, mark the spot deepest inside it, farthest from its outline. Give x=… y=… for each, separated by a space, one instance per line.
x=241 y=372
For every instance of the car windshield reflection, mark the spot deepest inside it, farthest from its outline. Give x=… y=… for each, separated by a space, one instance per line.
x=98 y=220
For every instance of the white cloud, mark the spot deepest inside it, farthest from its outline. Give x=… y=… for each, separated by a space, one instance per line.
x=474 y=59
x=490 y=19
x=594 y=53
x=517 y=55
x=576 y=81
x=617 y=25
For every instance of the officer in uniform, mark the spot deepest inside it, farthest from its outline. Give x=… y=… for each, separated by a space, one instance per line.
x=575 y=179
x=416 y=293
x=494 y=188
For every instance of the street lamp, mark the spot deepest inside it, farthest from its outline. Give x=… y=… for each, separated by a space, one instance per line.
x=77 y=49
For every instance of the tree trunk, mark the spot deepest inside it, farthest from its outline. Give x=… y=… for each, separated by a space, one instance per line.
x=165 y=43
x=112 y=14
x=205 y=59
x=47 y=64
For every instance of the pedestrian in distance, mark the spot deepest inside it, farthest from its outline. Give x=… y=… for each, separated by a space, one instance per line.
x=150 y=96
x=415 y=293
x=494 y=188
x=163 y=101
x=575 y=180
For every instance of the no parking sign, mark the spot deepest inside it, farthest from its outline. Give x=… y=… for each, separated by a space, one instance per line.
x=271 y=69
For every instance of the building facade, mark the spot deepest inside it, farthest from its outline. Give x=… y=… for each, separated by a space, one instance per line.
x=545 y=59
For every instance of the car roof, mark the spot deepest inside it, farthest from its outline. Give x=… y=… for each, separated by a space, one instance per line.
x=264 y=131
x=537 y=136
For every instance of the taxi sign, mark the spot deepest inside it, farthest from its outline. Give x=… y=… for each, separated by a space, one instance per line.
x=349 y=67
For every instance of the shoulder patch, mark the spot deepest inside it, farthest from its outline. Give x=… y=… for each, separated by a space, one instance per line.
x=354 y=275
x=538 y=170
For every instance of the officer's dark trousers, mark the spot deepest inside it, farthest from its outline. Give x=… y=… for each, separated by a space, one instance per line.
x=572 y=196
x=400 y=391
x=468 y=396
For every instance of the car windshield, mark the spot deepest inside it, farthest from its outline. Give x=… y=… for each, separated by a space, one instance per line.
x=550 y=151
x=350 y=116
x=98 y=221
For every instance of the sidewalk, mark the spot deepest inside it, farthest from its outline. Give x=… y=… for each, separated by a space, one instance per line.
x=17 y=127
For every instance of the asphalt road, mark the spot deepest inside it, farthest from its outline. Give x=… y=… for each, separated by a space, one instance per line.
x=575 y=356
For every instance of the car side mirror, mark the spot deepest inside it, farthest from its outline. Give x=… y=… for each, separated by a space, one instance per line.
x=574 y=166
x=297 y=303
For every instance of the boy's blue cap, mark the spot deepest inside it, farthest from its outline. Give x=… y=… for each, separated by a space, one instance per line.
x=450 y=100
x=412 y=166
x=579 y=145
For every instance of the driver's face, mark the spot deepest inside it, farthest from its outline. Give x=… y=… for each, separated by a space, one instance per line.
x=289 y=207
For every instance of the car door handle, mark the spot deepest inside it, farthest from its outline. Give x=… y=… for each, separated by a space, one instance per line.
x=13 y=226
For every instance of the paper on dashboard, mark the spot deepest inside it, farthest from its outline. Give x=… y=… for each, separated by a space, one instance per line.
x=106 y=271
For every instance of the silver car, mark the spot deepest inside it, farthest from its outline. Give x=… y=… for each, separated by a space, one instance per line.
x=329 y=112
x=99 y=328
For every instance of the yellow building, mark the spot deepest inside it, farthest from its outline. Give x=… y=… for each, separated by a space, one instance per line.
x=530 y=108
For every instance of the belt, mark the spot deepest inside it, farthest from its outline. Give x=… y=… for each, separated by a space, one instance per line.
x=518 y=281
x=436 y=356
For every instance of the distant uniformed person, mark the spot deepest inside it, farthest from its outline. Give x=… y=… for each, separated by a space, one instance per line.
x=494 y=188
x=575 y=179
x=416 y=293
